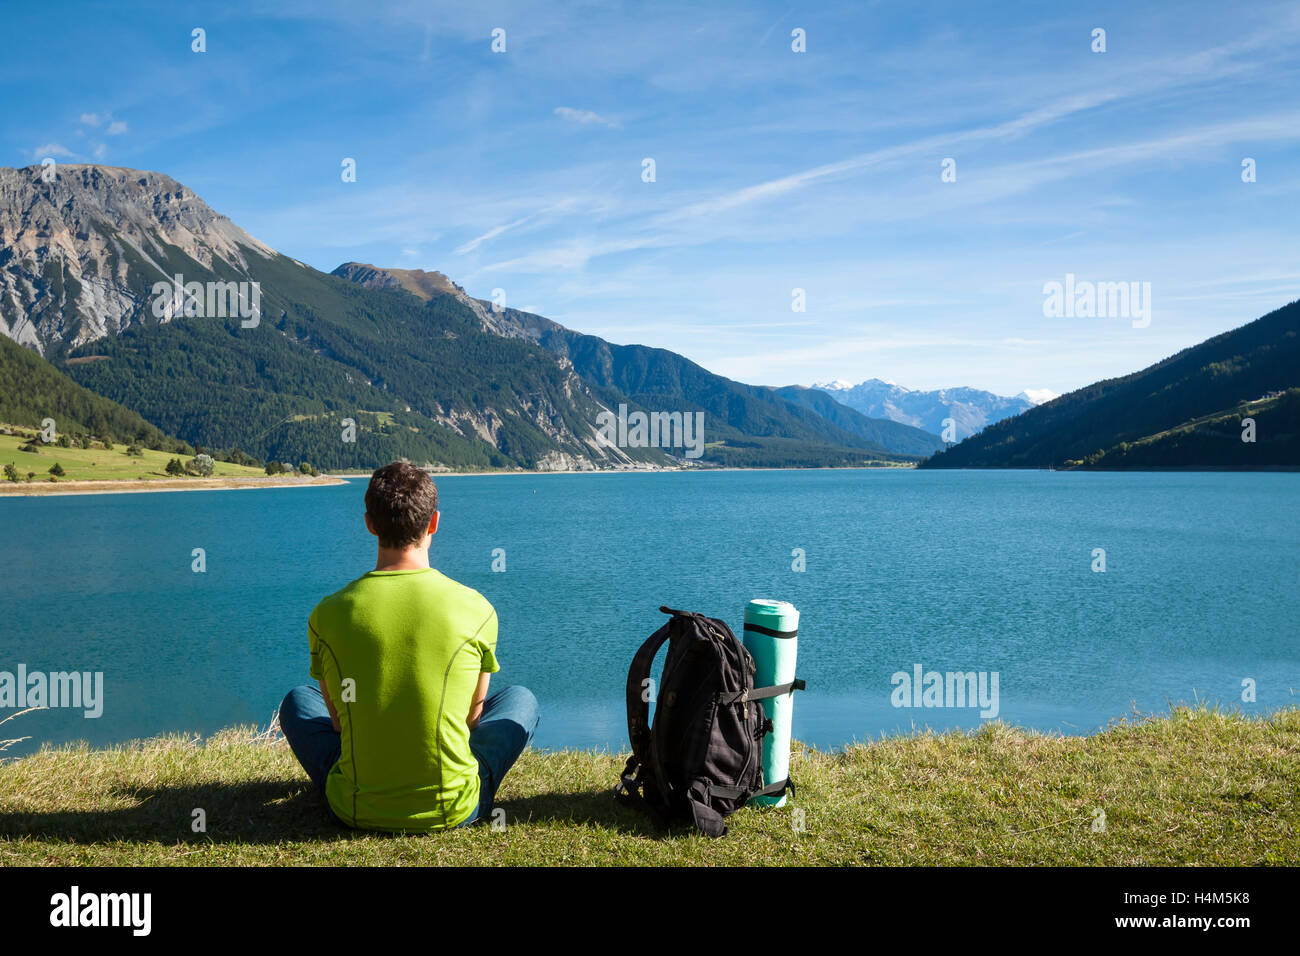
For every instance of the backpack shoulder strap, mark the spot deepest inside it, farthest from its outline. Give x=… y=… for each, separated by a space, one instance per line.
x=638 y=712
x=638 y=707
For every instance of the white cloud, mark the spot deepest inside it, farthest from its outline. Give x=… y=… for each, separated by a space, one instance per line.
x=706 y=220
x=490 y=234
x=96 y=120
x=585 y=117
x=52 y=149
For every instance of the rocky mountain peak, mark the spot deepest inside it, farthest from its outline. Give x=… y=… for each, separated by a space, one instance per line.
x=81 y=245
x=419 y=283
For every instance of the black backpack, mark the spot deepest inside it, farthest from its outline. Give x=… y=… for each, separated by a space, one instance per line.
x=702 y=759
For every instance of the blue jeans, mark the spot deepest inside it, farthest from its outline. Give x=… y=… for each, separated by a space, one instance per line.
x=504 y=729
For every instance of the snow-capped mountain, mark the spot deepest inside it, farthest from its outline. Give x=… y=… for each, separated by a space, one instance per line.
x=971 y=409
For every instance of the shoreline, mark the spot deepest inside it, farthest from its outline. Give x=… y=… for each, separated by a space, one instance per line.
x=111 y=486
x=435 y=475
x=108 y=486
x=120 y=486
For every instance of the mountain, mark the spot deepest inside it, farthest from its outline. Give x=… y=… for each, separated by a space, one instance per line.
x=744 y=417
x=32 y=390
x=78 y=255
x=1037 y=396
x=423 y=284
x=84 y=279
x=970 y=408
x=255 y=351
x=1186 y=411
x=1214 y=441
x=904 y=439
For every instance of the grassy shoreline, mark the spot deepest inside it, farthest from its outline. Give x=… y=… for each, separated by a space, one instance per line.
x=1198 y=787
x=158 y=481
x=109 y=486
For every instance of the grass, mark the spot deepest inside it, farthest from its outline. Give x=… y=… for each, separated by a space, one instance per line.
x=1201 y=786
x=97 y=463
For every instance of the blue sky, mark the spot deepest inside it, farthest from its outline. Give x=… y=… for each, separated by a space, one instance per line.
x=775 y=170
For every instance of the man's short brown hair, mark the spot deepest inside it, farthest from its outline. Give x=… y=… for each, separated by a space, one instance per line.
x=401 y=501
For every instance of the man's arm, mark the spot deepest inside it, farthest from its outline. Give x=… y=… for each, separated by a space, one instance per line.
x=476 y=705
x=330 y=704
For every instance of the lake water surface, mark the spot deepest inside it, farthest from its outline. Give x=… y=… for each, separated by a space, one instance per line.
x=954 y=571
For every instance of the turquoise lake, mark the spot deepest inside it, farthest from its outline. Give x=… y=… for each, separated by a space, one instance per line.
x=952 y=571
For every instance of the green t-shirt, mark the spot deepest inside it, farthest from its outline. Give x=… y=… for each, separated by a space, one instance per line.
x=412 y=644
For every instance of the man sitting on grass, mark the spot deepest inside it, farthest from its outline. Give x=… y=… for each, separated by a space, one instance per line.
x=401 y=733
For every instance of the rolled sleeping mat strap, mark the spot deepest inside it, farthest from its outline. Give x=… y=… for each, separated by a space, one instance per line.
x=781 y=786
x=760 y=629
x=732 y=792
x=771 y=635
x=759 y=693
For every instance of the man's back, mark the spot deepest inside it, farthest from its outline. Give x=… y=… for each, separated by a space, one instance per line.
x=412 y=643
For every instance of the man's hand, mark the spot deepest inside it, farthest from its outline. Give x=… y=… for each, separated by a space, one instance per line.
x=476 y=705
x=334 y=716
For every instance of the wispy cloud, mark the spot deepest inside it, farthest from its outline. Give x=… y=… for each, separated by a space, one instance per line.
x=85 y=130
x=775 y=169
x=96 y=120
x=489 y=235
x=52 y=149
x=585 y=117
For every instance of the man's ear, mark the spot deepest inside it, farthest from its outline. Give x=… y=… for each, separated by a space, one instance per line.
x=433 y=524
x=370 y=525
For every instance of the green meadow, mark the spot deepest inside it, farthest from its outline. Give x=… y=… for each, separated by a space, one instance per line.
x=1198 y=787
x=98 y=463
